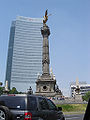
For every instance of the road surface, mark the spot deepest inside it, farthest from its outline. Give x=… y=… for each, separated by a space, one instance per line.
x=74 y=117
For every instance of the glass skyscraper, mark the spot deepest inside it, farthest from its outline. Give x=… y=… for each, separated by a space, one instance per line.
x=24 y=61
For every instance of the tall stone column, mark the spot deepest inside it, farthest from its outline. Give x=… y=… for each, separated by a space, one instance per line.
x=45 y=61
x=45 y=84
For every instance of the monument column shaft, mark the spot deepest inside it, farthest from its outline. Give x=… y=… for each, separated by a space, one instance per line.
x=45 y=56
x=45 y=62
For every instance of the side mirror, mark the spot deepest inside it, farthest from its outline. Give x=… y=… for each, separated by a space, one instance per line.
x=59 y=108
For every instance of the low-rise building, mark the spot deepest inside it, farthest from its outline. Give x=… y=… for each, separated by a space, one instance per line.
x=84 y=88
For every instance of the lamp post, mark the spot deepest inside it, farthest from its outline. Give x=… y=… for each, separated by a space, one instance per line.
x=30 y=91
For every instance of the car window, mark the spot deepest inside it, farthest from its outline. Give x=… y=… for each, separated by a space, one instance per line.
x=15 y=102
x=32 y=103
x=51 y=105
x=43 y=104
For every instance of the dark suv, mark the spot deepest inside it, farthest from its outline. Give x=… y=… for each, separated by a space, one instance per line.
x=28 y=107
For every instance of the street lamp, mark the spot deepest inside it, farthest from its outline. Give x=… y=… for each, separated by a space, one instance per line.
x=30 y=91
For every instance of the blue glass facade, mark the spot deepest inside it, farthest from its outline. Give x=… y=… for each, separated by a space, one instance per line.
x=25 y=53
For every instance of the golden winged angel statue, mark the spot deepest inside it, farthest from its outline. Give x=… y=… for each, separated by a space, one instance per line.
x=46 y=16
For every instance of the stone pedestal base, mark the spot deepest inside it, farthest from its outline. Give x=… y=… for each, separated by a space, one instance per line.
x=45 y=85
x=78 y=98
x=48 y=94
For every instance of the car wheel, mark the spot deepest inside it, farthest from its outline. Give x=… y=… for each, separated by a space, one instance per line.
x=4 y=113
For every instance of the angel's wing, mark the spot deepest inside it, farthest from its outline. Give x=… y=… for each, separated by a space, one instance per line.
x=46 y=12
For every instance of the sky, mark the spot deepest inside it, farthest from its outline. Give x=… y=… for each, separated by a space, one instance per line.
x=69 y=39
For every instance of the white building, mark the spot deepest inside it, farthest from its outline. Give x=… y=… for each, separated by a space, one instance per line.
x=84 y=88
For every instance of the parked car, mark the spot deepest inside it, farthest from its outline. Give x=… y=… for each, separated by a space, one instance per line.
x=28 y=107
x=87 y=113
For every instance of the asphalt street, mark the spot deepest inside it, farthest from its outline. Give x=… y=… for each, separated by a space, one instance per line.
x=74 y=117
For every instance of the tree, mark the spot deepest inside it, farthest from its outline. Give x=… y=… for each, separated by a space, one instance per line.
x=86 y=96
x=1 y=83
x=13 y=91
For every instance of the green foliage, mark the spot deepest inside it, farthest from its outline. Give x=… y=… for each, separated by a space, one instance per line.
x=67 y=107
x=86 y=96
x=73 y=107
x=13 y=91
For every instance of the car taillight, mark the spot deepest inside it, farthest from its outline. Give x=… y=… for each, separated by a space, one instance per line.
x=27 y=116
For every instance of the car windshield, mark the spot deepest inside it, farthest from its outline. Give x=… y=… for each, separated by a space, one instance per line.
x=51 y=105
